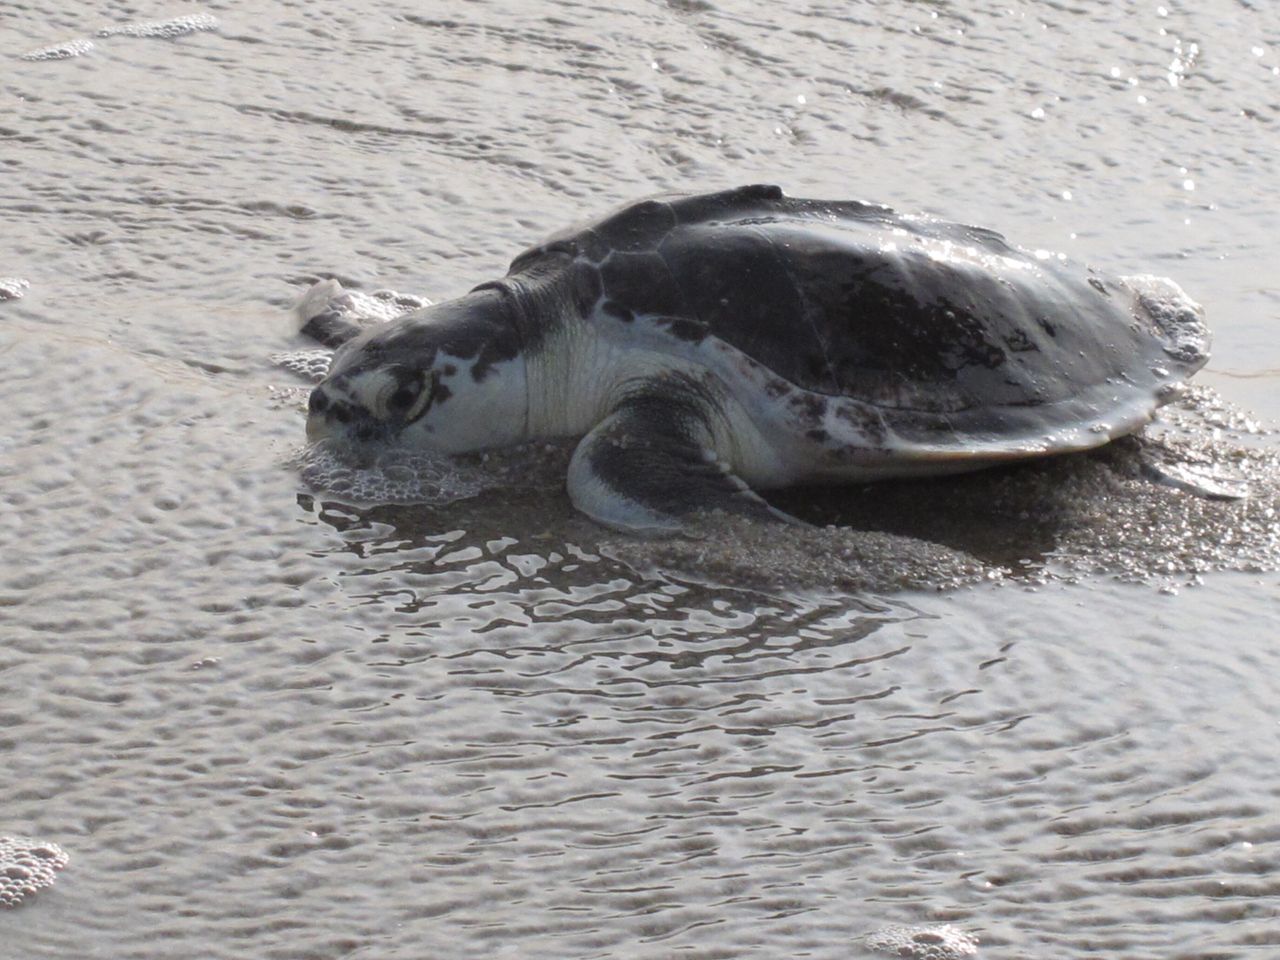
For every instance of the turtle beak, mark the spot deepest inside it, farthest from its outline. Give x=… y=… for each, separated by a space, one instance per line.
x=317 y=428
x=328 y=418
x=319 y=421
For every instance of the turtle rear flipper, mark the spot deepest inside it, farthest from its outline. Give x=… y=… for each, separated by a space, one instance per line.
x=1197 y=479
x=647 y=468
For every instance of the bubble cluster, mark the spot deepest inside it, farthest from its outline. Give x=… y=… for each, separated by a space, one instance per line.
x=1179 y=317
x=26 y=866
x=378 y=306
x=164 y=29
x=387 y=476
x=13 y=288
x=924 y=942
x=310 y=365
x=61 y=51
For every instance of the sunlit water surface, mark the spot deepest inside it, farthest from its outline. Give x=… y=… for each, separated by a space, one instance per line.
x=267 y=722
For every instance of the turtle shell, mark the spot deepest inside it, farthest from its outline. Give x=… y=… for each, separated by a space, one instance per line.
x=936 y=325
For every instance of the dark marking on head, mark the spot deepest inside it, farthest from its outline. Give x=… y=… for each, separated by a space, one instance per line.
x=479 y=329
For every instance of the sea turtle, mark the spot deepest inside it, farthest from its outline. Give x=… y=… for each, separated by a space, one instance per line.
x=706 y=347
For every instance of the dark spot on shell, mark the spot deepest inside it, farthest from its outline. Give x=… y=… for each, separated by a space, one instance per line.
x=809 y=405
x=863 y=419
x=775 y=387
x=1047 y=326
x=617 y=311
x=818 y=435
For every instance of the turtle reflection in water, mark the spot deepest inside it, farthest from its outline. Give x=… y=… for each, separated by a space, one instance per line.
x=708 y=347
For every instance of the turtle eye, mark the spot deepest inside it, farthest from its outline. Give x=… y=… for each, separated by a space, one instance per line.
x=414 y=399
x=404 y=396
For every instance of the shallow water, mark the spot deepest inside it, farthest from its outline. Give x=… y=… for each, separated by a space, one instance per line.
x=262 y=722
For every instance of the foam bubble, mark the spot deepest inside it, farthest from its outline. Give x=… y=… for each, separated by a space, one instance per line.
x=362 y=309
x=388 y=476
x=310 y=365
x=26 y=866
x=378 y=306
x=13 y=288
x=1178 y=316
x=924 y=942
x=61 y=51
x=164 y=29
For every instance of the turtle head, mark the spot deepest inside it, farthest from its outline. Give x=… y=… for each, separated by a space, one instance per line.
x=449 y=377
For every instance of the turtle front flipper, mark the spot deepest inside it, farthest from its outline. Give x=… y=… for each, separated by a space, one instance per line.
x=649 y=465
x=320 y=316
